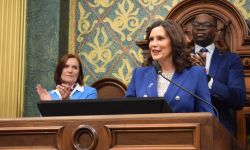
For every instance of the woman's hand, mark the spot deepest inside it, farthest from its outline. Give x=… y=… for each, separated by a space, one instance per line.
x=64 y=90
x=43 y=93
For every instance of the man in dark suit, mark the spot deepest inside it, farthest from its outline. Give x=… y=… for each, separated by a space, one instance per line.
x=224 y=70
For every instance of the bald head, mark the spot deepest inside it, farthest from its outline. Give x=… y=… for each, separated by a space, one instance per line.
x=204 y=29
x=206 y=18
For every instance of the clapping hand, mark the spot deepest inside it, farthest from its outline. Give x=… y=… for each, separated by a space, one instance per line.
x=198 y=59
x=64 y=90
x=43 y=93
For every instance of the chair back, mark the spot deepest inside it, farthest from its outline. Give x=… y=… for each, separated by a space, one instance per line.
x=110 y=88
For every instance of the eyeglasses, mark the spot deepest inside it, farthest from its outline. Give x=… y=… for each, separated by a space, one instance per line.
x=205 y=25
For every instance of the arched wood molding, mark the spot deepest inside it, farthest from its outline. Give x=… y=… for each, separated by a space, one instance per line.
x=236 y=36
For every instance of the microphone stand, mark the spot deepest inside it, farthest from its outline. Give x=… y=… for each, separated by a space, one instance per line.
x=196 y=96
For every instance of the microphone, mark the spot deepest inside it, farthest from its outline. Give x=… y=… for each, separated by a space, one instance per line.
x=158 y=70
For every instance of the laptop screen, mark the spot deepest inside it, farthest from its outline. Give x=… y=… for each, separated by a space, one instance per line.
x=131 y=105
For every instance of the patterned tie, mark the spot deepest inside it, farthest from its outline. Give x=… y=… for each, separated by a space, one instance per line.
x=203 y=50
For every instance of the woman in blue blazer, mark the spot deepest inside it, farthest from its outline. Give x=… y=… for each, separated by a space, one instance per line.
x=69 y=82
x=167 y=46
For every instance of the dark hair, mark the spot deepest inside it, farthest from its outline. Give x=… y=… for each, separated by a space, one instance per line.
x=181 y=54
x=61 y=65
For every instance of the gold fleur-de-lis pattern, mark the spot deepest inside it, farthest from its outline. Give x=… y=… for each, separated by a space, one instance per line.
x=123 y=73
x=100 y=54
x=106 y=31
x=126 y=19
x=101 y=4
x=84 y=26
x=150 y=4
x=240 y=4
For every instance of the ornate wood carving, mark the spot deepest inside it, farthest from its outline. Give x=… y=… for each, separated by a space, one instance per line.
x=84 y=137
x=231 y=24
x=49 y=137
x=243 y=119
x=136 y=135
x=124 y=132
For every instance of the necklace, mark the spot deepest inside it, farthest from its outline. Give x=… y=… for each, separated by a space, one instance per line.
x=168 y=75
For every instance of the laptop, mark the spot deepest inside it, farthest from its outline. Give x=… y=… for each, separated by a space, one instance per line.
x=130 y=105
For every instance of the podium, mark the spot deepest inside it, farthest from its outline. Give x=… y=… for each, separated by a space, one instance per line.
x=178 y=131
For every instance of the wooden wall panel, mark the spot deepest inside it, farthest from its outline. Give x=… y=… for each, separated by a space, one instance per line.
x=48 y=137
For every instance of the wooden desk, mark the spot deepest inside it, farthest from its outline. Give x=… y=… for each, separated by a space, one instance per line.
x=179 y=131
x=243 y=119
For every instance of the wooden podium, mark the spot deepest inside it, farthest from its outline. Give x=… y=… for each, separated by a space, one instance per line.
x=178 y=131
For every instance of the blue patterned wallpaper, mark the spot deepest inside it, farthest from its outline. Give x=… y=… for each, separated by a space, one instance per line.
x=106 y=31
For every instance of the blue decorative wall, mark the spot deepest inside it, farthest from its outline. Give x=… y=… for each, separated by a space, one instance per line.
x=106 y=31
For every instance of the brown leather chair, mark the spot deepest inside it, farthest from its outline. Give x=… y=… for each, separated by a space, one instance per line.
x=110 y=88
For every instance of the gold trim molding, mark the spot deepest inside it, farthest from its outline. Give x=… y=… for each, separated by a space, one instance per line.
x=72 y=24
x=12 y=56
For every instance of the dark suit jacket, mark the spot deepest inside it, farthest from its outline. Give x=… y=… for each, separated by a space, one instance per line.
x=228 y=88
x=144 y=84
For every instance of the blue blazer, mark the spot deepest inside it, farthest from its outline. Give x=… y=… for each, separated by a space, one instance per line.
x=144 y=84
x=228 y=89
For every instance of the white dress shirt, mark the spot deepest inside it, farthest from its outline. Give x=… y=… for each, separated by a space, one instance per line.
x=78 y=87
x=209 y=54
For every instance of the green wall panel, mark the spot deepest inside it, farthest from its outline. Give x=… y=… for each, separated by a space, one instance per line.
x=41 y=49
